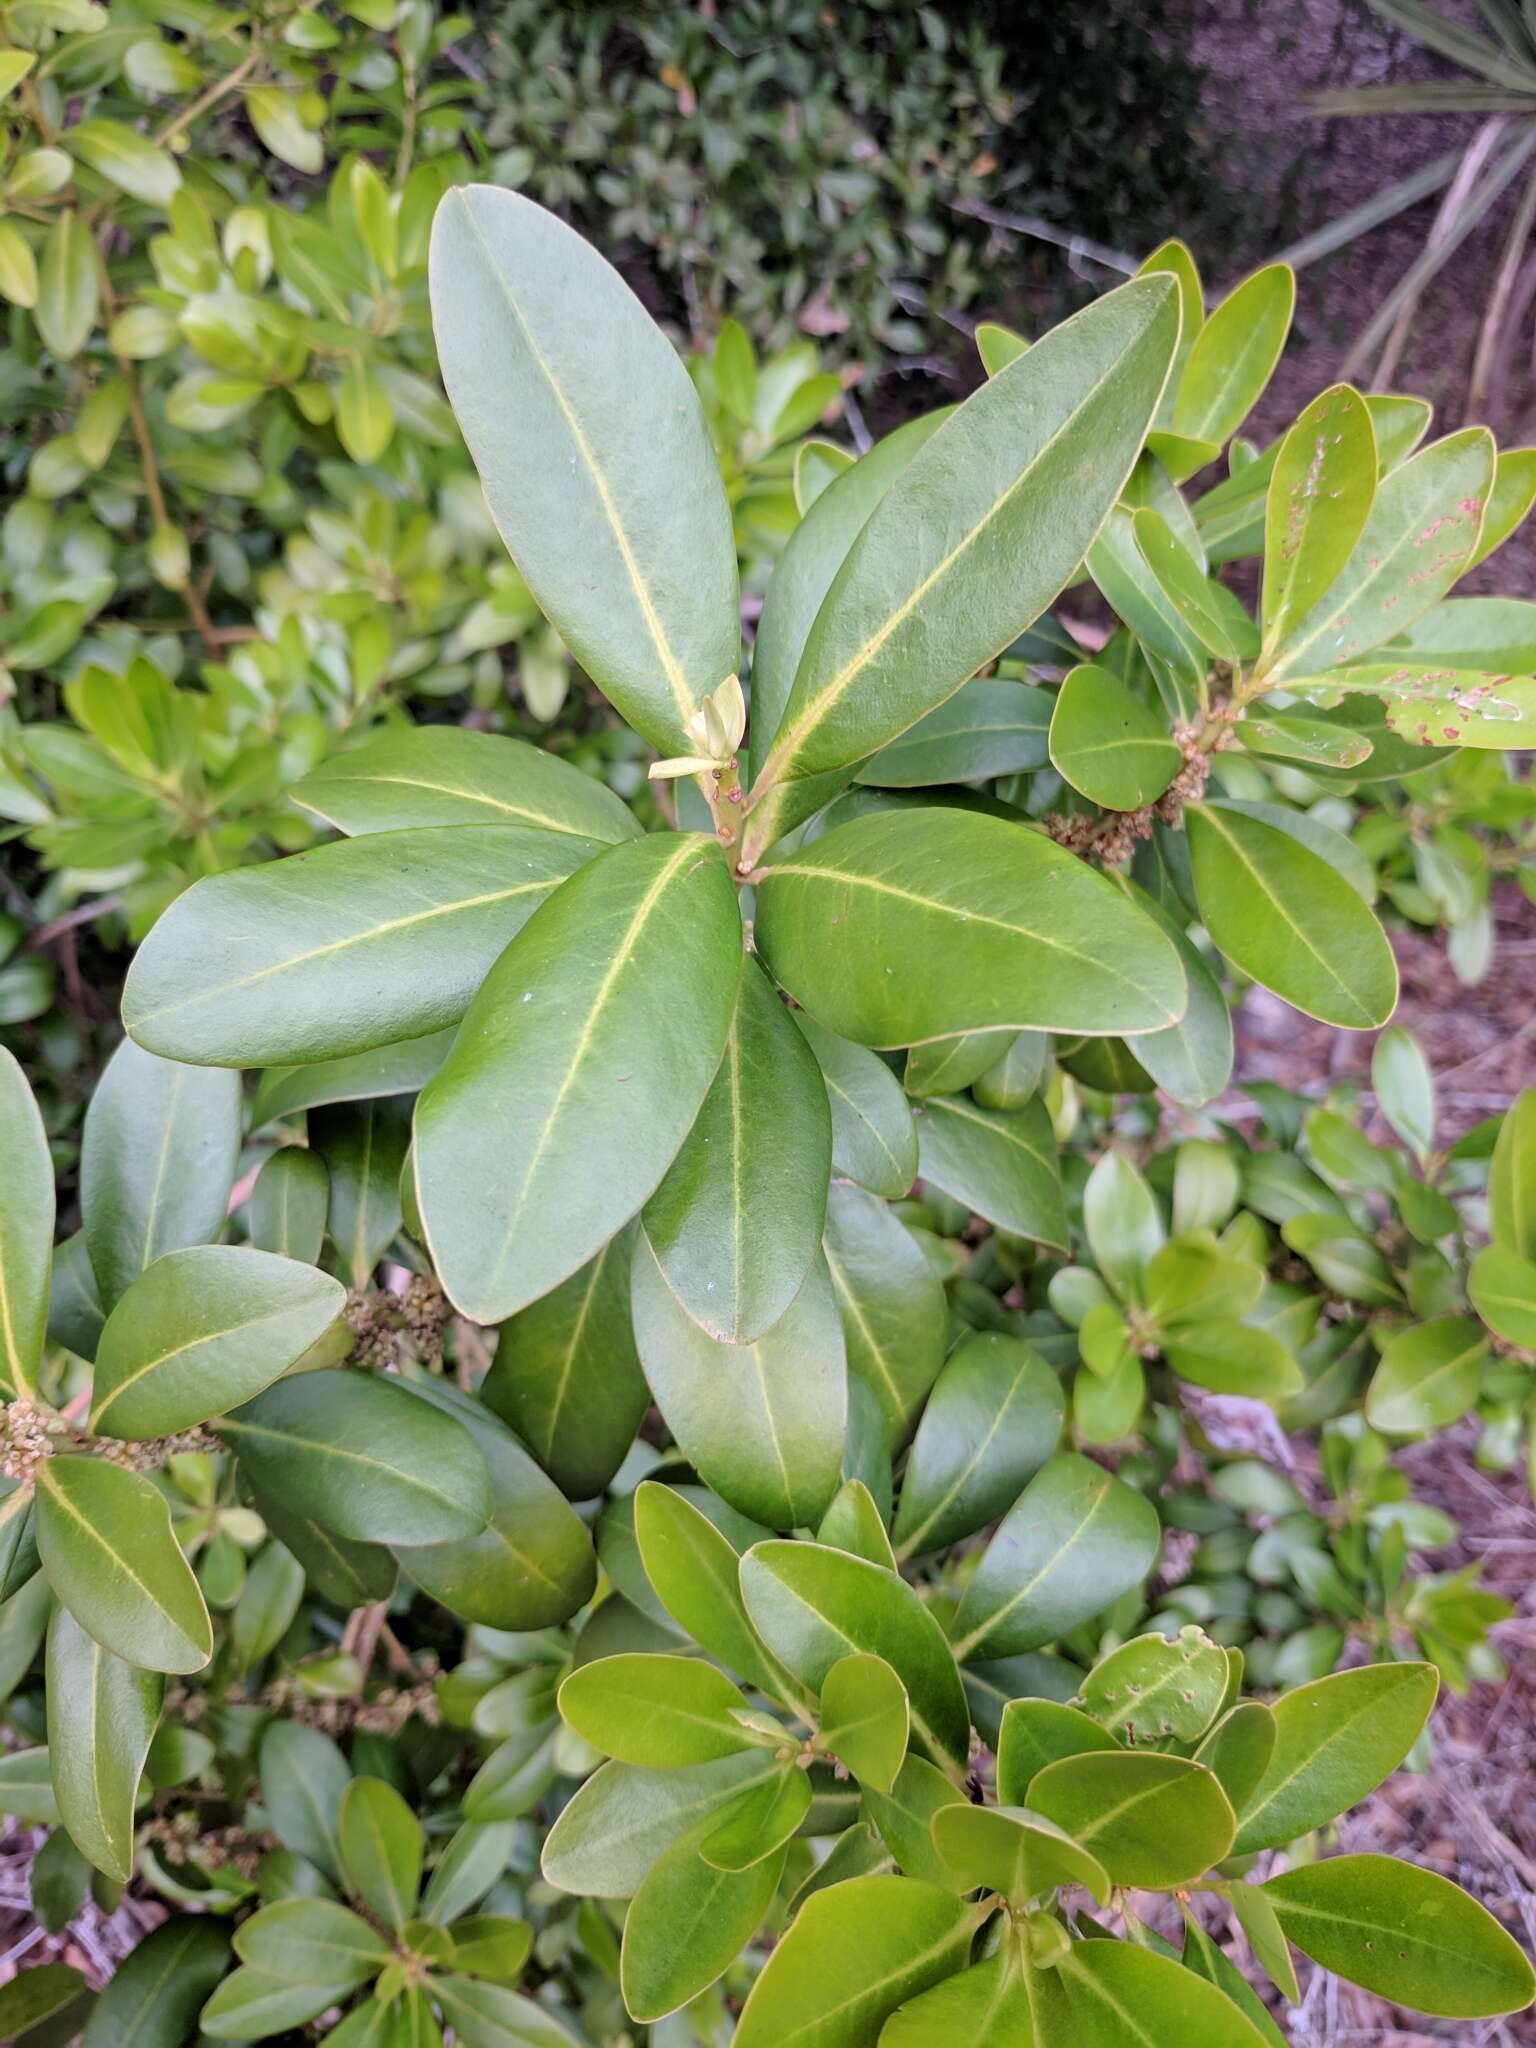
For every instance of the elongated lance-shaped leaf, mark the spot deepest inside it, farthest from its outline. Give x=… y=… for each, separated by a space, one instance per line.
x=737 y=1220
x=1321 y=489
x=341 y=949
x=1434 y=707
x=594 y=454
x=1235 y=355
x=26 y=1231
x=891 y=1303
x=578 y=1071
x=972 y=541
x=364 y=1146
x=101 y=1718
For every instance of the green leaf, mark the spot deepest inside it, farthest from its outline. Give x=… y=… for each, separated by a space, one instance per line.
x=1190 y=1060
x=1313 y=742
x=1123 y=1224
x=532 y=1565
x=364 y=1456
x=311 y=1941
x=160 y=1147
x=738 y=1216
x=864 y=1718
x=275 y=116
x=26 y=1785
x=388 y=1070
x=445 y=775
x=1281 y=914
x=380 y=1840
x=1012 y=930
x=1035 y=1733
x=1502 y=1287
x=686 y=1924
x=1509 y=502
x=760 y=1821
x=619 y=1822
x=489 y=2016
x=992 y=1420
x=1137 y=597
x=1428 y=1376
x=26 y=1232
x=1018 y=1075
x=1123 y=1996
x=1405 y=1089
x=341 y=949
x=658 y=1712
x=1421 y=533
x=938 y=564
x=1152 y=1821
x=695 y=1570
x=104 y=1536
x=990 y=727
x=763 y=1422
x=812 y=1605
x=492 y=1945
x=68 y=289
x=999 y=1162
x=1405 y=1933
x=945 y=1066
x=1003 y=2002
x=578 y=1071
x=1336 y=1740
x=1512 y=1179
x=304 y=1778
x=467 y=1869
x=1321 y=491
x=1113 y=748
x=594 y=455
x=1075 y=1540
x=1015 y=1853
x=1238 y=1749
x=852 y=1955
x=153 y=1998
x=364 y=1146
x=1202 y=1956
x=202 y=1330
x=250 y=2004
x=874 y=1140
x=44 y=2006
x=101 y=1719
x=288 y=1204
x=891 y=1303
x=1234 y=356
x=269 y=1599
x=365 y=419
x=854 y=1523
x=1232 y=1357
x=1187 y=588
x=904 y=1817
x=1258 y=1920
x=126 y=159
x=1152 y=1687
x=1424 y=705
x=567 y=1377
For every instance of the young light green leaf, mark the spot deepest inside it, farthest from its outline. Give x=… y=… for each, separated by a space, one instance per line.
x=658 y=1712
x=623 y=1818
x=1502 y=1288
x=1151 y=1688
x=1123 y=1223
x=992 y=1420
x=68 y=289
x=101 y=1719
x=1037 y=1732
x=1234 y=356
x=380 y=1840
x=26 y=1232
x=1428 y=1376
x=1185 y=585
x=1150 y=1820
x=312 y=1941
x=945 y=1066
x=686 y=1924
x=760 y=1822
x=864 y=1718
x=1120 y=1995
x=126 y=159
x=104 y=1536
x=1013 y=1852
x=1405 y=1089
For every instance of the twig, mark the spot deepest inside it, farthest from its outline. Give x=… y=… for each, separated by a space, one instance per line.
x=1077 y=246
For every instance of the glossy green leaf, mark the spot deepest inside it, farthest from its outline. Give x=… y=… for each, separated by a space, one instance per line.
x=686 y=1923
x=26 y=1785
x=1150 y=1820
x=1186 y=587
x=312 y=1941
x=658 y=1712
x=567 y=1377
x=68 y=290
x=1512 y=1179
x=153 y=1998
x=202 y=1330
x=813 y=1605
x=904 y=1819
x=852 y=1955
x=1035 y=1733
x=26 y=1231
x=854 y=1523
x=992 y=1420
x=1502 y=1287
x=304 y=1779
x=1405 y=1089
x=251 y=2003
x=341 y=949
x=1231 y=1357
x=1311 y=742
x=101 y=1718
x=364 y=1146
x=490 y=2016
x=1012 y=931
x=364 y=1456
x=1151 y=1688
x=1013 y=1852
x=1428 y=1376
x=1019 y=1074
x=1122 y=1222
x=1001 y=1163
x=1109 y=745
x=938 y=564
x=763 y=1422
x=864 y=1718
x=945 y=1066
x=157 y=1162
x=890 y=1301
x=594 y=455
x=990 y=727
x=760 y=1822
x=381 y=1849
x=1234 y=356
x=1076 y=1539
x=1425 y=706
x=1190 y=1060
x=1284 y=916
x=1335 y=1741
x=738 y=1216
x=577 y=1072
x=1266 y=1943
x=492 y=1945
x=1120 y=1995
x=269 y=1599
x=467 y=1869
x=104 y=1536
x=623 y=1818
x=1406 y=1933
x=388 y=1070
x=1239 y=1748
x=288 y=1204
x=446 y=775
x=874 y=1140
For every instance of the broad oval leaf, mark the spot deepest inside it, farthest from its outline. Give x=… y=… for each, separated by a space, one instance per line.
x=1151 y=1688
x=1003 y=2002
x=686 y=1924
x=1150 y=1820
x=1035 y=1733
x=364 y=1456
x=153 y=1998
x=1284 y=916
x=105 y=1539
x=864 y=1718
x=874 y=1140
x=1321 y=490
x=992 y=1420
x=1013 y=1852
x=1406 y=1933
x=26 y=1231
x=341 y=949
x=1190 y=1060
x=623 y=1818
x=1502 y=1288
x=658 y=1712
x=945 y=1066
x=764 y=1422
x=1120 y=1995
x=1001 y=1163
x=738 y=1216
x=577 y=1072
x=1012 y=932
x=990 y=727
x=594 y=454
x=445 y=775
x=203 y=1330
x=1428 y=1376
x=891 y=1302
x=101 y=1719
x=938 y=566
x=312 y=1941
x=1075 y=1540
x=1335 y=1741
x=852 y=1955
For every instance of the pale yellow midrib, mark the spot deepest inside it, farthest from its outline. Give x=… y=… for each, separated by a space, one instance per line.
x=864 y=1118
x=61 y=1499
x=178 y=1350
x=963 y=1648
x=968 y=1470
x=951 y=1940
x=677 y=682
x=468 y=796
x=334 y=1450
x=956 y=1107
x=846 y=1294
x=567 y=1364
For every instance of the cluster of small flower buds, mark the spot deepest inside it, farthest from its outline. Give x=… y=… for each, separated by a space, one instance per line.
x=28 y=1436
x=385 y=1713
x=1111 y=837
x=382 y=1324
x=150 y=1455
